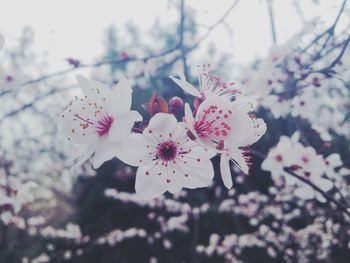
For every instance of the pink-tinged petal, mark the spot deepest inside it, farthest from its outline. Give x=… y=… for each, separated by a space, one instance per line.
x=149 y=183
x=135 y=151
x=237 y=157
x=122 y=125
x=187 y=87
x=225 y=171
x=120 y=97
x=105 y=151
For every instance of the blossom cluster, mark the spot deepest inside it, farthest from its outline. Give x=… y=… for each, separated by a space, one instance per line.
x=170 y=154
x=305 y=162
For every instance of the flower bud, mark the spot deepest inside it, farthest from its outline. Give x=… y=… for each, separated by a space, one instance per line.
x=176 y=105
x=156 y=104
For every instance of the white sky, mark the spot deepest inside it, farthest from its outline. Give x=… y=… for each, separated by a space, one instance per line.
x=75 y=28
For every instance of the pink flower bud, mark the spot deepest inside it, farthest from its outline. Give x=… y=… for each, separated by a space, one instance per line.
x=176 y=105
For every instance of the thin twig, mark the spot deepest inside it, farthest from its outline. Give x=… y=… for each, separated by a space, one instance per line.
x=181 y=42
x=316 y=188
x=272 y=21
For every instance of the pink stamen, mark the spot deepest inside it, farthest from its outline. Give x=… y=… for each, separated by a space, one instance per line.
x=104 y=125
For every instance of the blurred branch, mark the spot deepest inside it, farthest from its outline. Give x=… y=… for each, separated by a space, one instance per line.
x=30 y=104
x=327 y=71
x=181 y=32
x=213 y=26
x=329 y=31
x=179 y=46
x=290 y=171
x=316 y=188
x=272 y=21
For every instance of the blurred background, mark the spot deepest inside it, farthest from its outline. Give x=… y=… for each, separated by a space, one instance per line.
x=292 y=55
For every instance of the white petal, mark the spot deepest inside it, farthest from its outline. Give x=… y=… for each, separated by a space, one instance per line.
x=94 y=90
x=122 y=125
x=324 y=184
x=187 y=87
x=246 y=103
x=134 y=151
x=193 y=174
x=225 y=171
x=120 y=97
x=334 y=160
x=148 y=183
x=189 y=119
x=237 y=157
x=105 y=151
x=85 y=154
x=161 y=125
x=246 y=130
x=305 y=192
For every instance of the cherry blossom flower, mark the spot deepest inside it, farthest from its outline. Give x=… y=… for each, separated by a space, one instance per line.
x=209 y=85
x=167 y=159
x=225 y=127
x=99 y=122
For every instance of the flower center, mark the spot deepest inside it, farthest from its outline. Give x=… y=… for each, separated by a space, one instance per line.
x=103 y=125
x=167 y=151
x=214 y=123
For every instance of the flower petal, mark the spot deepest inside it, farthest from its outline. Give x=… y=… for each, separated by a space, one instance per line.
x=148 y=183
x=105 y=151
x=120 y=97
x=134 y=151
x=237 y=157
x=225 y=171
x=246 y=103
x=122 y=125
x=186 y=86
x=160 y=125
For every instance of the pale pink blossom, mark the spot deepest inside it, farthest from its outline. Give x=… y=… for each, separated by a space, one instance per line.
x=167 y=159
x=99 y=122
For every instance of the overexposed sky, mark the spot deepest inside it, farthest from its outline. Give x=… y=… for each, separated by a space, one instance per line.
x=75 y=28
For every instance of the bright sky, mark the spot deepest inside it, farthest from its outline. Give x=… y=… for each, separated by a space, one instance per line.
x=75 y=28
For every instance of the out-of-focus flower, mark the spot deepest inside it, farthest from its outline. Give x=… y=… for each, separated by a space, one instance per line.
x=289 y=152
x=209 y=85
x=278 y=106
x=225 y=127
x=167 y=159
x=99 y=122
